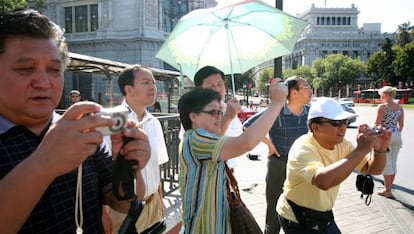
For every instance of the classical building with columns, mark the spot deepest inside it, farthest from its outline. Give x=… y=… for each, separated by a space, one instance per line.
x=132 y=31
x=335 y=30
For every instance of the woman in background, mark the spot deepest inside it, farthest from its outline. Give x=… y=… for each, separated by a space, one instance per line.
x=391 y=116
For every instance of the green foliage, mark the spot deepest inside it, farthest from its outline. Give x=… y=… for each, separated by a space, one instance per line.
x=264 y=76
x=304 y=71
x=10 y=5
x=403 y=34
x=404 y=62
x=239 y=80
x=374 y=67
x=334 y=70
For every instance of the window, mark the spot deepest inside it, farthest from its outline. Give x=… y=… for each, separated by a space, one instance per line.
x=173 y=10
x=82 y=18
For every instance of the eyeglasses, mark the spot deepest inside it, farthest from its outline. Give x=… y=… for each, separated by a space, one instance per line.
x=214 y=113
x=336 y=123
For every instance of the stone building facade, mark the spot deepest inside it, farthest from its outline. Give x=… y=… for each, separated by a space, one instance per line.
x=128 y=31
x=132 y=31
x=335 y=30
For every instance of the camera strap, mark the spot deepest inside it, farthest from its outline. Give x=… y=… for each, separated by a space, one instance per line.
x=123 y=177
x=123 y=187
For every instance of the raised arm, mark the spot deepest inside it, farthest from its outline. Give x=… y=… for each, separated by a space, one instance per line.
x=235 y=146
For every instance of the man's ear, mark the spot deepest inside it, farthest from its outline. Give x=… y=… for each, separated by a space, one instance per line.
x=315 y=127
x=128 y=89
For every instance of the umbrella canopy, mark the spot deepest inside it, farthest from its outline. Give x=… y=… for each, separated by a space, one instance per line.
x=233 y=38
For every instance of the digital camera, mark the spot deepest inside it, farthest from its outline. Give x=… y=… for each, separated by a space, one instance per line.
x=283 y=83
x=120 y=114
x=376 y=130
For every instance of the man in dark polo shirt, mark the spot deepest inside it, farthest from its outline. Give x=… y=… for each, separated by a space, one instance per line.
x=291 y=124
x=42 y=154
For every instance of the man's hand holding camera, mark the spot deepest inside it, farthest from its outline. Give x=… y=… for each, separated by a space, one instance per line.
x=377 y=138
x=77 y=127
x=137 y=149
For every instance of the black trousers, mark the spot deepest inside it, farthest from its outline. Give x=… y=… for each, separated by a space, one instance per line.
x=275 y=177
x=290 y=227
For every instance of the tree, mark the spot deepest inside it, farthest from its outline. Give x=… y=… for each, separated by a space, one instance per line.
x=304 y=71
x=336 y=71
x=264 y=77
x=239 y=80
x=10 y=5
x=389 y=56
x=404 y=62
x=374 y=66
x=403 y=34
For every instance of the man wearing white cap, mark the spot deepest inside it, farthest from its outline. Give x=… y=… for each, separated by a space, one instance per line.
x=319 y=161
x=74 y=96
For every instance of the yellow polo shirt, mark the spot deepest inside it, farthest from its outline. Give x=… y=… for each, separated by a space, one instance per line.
x=305 y=157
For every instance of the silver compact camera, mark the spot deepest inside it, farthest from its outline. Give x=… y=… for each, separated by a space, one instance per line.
x=119 y=113
x=376 y=130
x=283 y=83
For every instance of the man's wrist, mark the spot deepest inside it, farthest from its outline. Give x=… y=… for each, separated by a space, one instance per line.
x=380 y=152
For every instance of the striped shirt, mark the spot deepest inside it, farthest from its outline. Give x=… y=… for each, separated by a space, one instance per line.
x=203 y=183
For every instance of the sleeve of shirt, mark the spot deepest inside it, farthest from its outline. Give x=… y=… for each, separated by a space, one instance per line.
x=161 y=149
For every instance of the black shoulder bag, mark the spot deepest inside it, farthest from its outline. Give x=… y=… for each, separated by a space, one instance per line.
x=365 y=184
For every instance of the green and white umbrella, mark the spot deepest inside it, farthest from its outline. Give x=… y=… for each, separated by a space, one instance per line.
x=233 y=38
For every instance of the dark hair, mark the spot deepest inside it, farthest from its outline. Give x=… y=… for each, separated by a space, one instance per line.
x=205 y=72
x=127 y=77
x=157 y=107
x=194 y=101
x=31 y=23
x=292 y=83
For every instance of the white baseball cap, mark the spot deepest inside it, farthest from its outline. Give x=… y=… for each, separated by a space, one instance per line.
x=328 y=108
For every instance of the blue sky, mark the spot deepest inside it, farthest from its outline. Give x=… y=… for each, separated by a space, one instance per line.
x=390 y=13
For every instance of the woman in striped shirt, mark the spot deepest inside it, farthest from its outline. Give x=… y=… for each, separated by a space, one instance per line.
x=203 y=152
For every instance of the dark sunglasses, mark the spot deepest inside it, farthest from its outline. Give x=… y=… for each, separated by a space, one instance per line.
x=336 y=123
x=214 y=113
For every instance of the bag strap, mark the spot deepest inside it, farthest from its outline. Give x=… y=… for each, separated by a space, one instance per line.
x=232 y=184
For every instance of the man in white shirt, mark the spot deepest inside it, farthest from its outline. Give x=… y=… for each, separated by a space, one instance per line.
x=138 y=86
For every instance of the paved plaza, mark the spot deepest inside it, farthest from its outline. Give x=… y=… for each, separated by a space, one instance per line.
x=351 y=214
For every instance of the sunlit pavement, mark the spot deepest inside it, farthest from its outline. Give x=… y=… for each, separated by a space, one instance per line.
x=351 y=214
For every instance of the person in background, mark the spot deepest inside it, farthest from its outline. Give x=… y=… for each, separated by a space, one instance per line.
x=40 y=151
x=391 y=116
x=157 y=107
x=319 y=162
x=74 y=96
x=288 y=126
x=212 y=78
x=204 y=152
x=137 y=84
